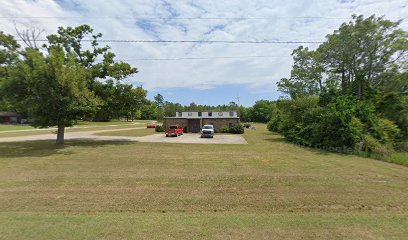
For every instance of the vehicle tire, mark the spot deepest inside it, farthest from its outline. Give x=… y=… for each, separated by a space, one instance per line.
x=167 y=135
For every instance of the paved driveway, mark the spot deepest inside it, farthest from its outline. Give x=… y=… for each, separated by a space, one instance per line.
x=90 y=135
x=195 y=138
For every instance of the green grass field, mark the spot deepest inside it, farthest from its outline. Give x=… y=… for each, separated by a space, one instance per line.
x=23 y=130
x=80 y=124
x=264 y=190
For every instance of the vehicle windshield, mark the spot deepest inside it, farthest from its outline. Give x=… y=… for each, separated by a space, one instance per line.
x=208 y=127
x=173 y=127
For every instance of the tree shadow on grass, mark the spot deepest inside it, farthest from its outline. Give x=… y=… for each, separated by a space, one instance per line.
x=48 y=147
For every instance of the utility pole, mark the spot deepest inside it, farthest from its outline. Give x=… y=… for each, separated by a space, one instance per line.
x=237 y=98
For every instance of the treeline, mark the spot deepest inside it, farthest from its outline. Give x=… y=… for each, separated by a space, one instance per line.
x=261 y=111
x=351 y=93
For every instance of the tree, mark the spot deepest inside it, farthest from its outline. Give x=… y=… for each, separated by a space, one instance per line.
x=159 y=101
x=9 y=56
x=148 y=110
x=262 y=111
x=72 y=40
x=103 y=72
x=352 y=91
x=51 y=88
x=29 y=35
x=64 y=53
x=354 y=59
x=306 y=75
x=129 y=100
x=361 y=51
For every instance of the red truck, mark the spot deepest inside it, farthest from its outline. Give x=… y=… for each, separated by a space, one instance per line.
x=174 y=130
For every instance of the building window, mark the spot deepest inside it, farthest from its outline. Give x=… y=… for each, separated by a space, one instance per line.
x=231 y=114
x=190 y=114
x=210 y=114
x=200 y=114
x=179 y=114
x=220 y=114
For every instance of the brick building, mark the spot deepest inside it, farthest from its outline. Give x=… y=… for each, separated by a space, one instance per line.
x=193 y=121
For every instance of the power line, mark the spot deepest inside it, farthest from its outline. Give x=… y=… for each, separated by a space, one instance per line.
x=190 y=41
x=196 y=58
x=169 y=18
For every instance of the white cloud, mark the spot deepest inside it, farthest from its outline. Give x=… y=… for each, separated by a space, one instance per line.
x=169 y=20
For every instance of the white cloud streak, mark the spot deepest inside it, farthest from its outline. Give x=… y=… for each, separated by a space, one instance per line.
x=223 y=20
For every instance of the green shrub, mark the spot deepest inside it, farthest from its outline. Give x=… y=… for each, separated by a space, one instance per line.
x=159 y=128
x=247 y=125
x=373 y=148
x=224 y=129
x=385 y=131
x=402 y=146
x=236 y=129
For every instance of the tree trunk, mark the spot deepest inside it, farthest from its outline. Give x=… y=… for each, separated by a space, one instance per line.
x=60 y=134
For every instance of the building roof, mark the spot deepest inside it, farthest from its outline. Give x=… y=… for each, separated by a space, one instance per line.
x=8 y=114
x=209 y=111
x=204 y=117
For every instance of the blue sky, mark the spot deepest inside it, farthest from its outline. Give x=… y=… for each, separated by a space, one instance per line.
x=200 y=72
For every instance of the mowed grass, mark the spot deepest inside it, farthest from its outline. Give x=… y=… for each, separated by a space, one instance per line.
x=263 y=190
x=81 y=127
x=17 y=127
x=129 y=133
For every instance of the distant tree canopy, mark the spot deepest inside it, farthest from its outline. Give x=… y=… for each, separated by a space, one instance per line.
x=351 y=92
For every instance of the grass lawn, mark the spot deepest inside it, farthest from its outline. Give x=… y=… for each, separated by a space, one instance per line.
x=17 y=127
x=83 y=127
x=399 y=158
x=130 y=133
x=130 y=190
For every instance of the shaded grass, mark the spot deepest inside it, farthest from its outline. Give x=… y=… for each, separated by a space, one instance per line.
x=129 y=133
x=17 y=127
x=68 y=129
x=266 y=189
x=14 y=127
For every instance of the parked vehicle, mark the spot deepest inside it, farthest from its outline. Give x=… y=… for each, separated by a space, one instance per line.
x=151 y=125
x=207 y=131
x=174 y=130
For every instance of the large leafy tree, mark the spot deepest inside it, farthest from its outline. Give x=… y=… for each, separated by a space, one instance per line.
x=52 y=88
x=57 y=85
x=106 y=73
x=306 y=75
x=262 y=111
x=356 y=58
x=361 y=51
x=99 y=59
x=9 y=56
